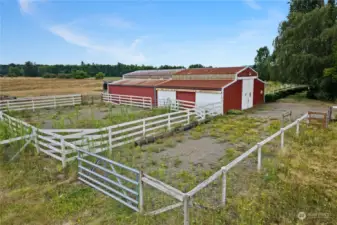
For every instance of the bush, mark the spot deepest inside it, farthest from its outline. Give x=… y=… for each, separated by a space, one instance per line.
x=100 y=76
x=283 y=93
x=79 y=74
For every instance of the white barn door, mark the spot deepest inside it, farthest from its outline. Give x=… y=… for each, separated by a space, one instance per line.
x=166 y=97
x=203 y=99
x=247 y=94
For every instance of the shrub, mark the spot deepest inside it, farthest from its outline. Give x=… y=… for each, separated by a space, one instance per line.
x=100 y=76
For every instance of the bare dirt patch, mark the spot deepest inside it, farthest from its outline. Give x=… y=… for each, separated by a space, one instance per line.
x=204 y=152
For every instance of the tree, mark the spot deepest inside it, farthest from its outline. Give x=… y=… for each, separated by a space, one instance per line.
x=30 y=69
x=303 y=48
x=14 y=71
x=305 y=6
x=196 y=66
x=262 y=61
x=99 y=76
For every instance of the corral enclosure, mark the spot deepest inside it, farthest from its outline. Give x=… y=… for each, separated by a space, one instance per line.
x=85 y=116
x=182 y=160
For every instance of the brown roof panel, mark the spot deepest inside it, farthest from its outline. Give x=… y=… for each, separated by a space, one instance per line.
x=138 y=82
x=195 y=84
x=202 y=71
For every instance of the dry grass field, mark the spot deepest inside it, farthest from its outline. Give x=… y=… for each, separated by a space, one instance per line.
x=37 y=86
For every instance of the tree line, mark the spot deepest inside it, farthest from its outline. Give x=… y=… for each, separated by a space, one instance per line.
x=84 y=70
x=305 y=50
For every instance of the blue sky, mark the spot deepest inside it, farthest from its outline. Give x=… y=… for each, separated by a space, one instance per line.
x=216 y=33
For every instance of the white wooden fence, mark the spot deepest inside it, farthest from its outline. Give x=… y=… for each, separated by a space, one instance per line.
x=33 y=103
x=137 y=101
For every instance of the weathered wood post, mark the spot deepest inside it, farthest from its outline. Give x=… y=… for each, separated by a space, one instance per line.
x=140 y=193
x=297 y=127
x=188 y=116
x=144 y=127
x=55 y=102
x=110 y=140
x=224 y=186
x=33 y=105
x=169 y=121
x=282 y=138
x=64 y=163
x=186 y=211
x=259 y=156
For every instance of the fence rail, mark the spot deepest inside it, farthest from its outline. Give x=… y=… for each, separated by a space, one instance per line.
x=34 y=103
x=137 y=101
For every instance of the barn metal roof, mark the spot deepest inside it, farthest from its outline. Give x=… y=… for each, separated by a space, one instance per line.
x=202 y=71
x=153 y=72
x=195 y=84
x=138 y=82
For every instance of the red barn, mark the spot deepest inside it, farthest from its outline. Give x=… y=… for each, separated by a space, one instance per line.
x=236 y=87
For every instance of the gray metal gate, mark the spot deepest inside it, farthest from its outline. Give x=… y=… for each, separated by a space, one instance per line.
x=115 y=180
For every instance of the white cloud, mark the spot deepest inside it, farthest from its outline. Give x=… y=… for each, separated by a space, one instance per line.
x=252 y=4
x=116 y=22
x=26 y=6
x=114 y=52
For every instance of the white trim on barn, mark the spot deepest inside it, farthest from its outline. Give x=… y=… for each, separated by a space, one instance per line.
x=247 y=78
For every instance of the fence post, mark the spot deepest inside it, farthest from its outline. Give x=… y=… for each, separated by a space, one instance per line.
x=119 y=98
x=63 y=153
x=1 y=118
x=298 y=127
x=8 y=104
x=186 y=211
x=36 y=140
x=259 y=148
x=144 y=127
x=169 y=122
x=130 y=98
x=143 y=103
x=73 y=100
x=110 y=140
x=55 y=102
x=282 y=138
x=188 y=116
x=224 y=187
x=140 y=193
x=33 y=105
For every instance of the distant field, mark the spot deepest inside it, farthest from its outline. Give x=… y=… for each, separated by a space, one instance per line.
x=29 y=86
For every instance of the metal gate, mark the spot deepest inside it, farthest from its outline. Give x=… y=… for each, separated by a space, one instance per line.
x=115 y=180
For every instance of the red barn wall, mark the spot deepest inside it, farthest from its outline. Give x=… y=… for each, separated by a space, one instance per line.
x=233 y=96
x=258 y=97
x=246 y=72
x=133 y=90
x=185 y=96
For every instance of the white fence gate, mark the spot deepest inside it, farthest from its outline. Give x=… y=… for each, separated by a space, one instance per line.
x=115 y=180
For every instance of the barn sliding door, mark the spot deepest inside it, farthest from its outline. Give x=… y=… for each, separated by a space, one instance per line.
x=166 y=97
x=247 y=93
